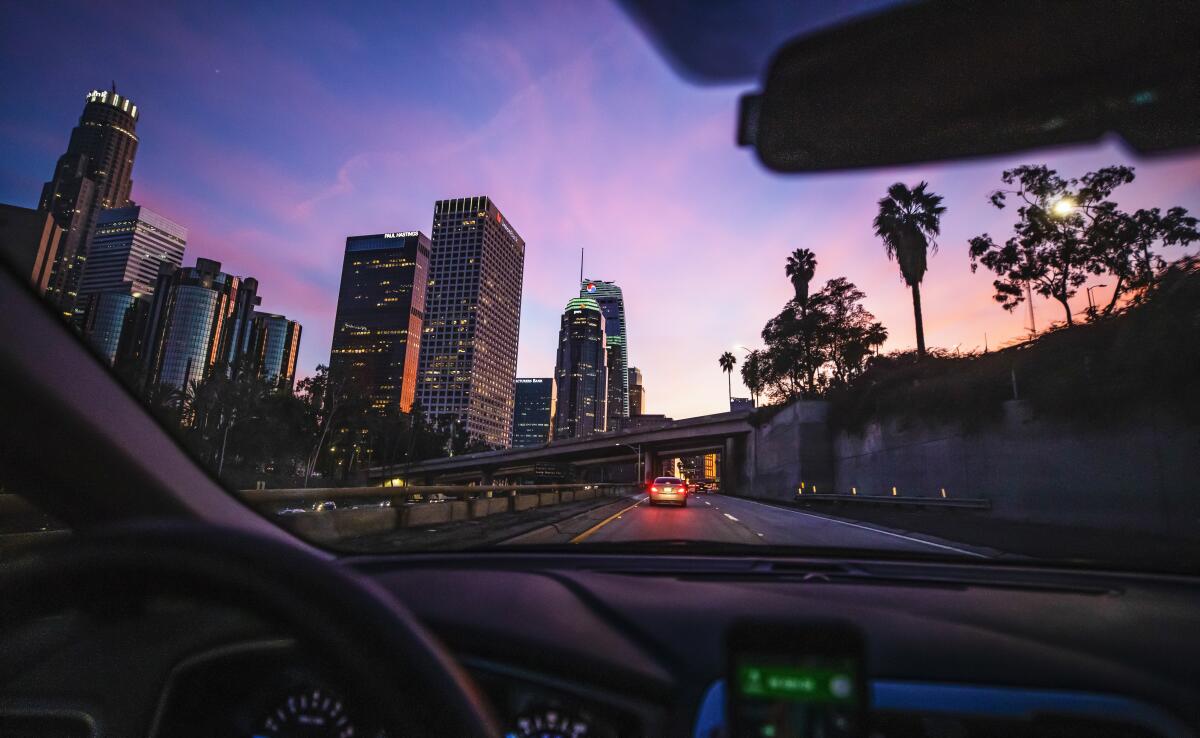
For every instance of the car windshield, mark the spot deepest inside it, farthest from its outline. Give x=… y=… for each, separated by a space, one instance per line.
x=407 y=278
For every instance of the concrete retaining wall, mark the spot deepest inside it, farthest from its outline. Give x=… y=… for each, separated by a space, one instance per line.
x=791 y=447
x=1141 y=476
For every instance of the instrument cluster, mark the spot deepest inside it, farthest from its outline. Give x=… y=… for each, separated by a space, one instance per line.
x=268 y=690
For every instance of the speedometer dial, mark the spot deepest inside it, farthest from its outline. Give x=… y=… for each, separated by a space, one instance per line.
x=310 y=713
x=549 y=723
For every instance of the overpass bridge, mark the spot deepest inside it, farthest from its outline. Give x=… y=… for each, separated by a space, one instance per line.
x=726 y=434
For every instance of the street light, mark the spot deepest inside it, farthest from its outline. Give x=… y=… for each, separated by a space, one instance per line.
x=638 y=450
x=749 y=352
x=1063 y=207
x=1091 y=303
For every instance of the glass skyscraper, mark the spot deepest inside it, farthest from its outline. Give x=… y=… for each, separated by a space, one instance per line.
x=274 y=347
x=637 y=393
x=533 y=412
x=473 y=319
x=380 y=315
x=196 y=323
x=113 y=324
x=127 y=248
x=612 y=303
x=581 y=371
x=95 y=173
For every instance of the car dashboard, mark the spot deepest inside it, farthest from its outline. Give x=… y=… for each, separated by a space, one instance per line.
x=616 y=646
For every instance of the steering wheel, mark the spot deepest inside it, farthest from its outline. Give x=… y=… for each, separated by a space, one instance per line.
x=371 y=641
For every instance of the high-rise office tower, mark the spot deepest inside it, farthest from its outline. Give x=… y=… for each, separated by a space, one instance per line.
x=612 y=304
x=581 y=371
x=274 y=346
x=197 y=323
x=94 y=174
x=637 y=393
x=377 y=333
x=114 y=324
x=533 y=412
x=127 y=247
x=29 y=241
x=472 y=319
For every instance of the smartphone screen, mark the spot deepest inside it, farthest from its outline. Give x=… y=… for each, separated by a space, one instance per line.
x=796 y=682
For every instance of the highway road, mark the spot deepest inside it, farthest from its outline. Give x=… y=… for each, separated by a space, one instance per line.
x=738 y=520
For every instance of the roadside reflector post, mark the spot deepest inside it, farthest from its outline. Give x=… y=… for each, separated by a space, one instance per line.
x=943 y=492
x=854 y=490
x=893 y=491
x=814 y=489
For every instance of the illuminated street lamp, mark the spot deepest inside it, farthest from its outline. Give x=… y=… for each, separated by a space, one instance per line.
x=1063 y=207
x=637 y=449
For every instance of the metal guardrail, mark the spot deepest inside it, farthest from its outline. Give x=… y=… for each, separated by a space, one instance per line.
x=416 y=493
x=971 y=503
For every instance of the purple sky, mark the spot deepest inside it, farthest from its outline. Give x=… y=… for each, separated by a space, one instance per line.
x=273 y=133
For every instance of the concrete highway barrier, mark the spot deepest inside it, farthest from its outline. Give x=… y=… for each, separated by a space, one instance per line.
x=892 y=501
x=331 y=514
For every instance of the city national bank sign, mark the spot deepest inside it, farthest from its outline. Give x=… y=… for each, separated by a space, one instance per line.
x=405 y=234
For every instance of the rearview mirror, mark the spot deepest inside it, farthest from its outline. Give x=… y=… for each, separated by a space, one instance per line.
x=944 y=80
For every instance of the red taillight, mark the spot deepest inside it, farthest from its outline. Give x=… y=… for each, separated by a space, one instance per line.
x=653 y=488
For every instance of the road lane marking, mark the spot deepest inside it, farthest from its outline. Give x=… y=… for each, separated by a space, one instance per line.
x=579 y=538
x=867 y=527
x=706 y=502
x=731 y=517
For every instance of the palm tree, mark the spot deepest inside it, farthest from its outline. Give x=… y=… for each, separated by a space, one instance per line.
x=801 y=266
x=908 y=221
x=754 y=373
x=727 y=361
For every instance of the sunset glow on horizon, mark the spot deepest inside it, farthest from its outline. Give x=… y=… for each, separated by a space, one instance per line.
x=274 y=138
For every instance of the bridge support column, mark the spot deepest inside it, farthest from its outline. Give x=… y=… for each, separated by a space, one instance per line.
x=730 y=468
x=653 y=467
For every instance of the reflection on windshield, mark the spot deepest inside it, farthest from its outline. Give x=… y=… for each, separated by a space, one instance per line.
x=567 y=307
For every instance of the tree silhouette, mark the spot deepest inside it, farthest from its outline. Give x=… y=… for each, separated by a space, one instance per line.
x=823 y=345
x=754 y=373
x=1052 y=244
x=727 y=360
x=1124 y=246
x=908 y=222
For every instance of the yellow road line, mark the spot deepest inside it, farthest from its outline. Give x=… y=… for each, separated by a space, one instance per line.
x=579 y=538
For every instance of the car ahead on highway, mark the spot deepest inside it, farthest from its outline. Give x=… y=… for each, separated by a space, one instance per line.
x=668 y=489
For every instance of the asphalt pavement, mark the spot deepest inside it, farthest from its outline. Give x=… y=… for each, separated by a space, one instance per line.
x=717 y=518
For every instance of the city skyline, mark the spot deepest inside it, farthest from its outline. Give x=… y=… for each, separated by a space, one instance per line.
x=252 y=187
